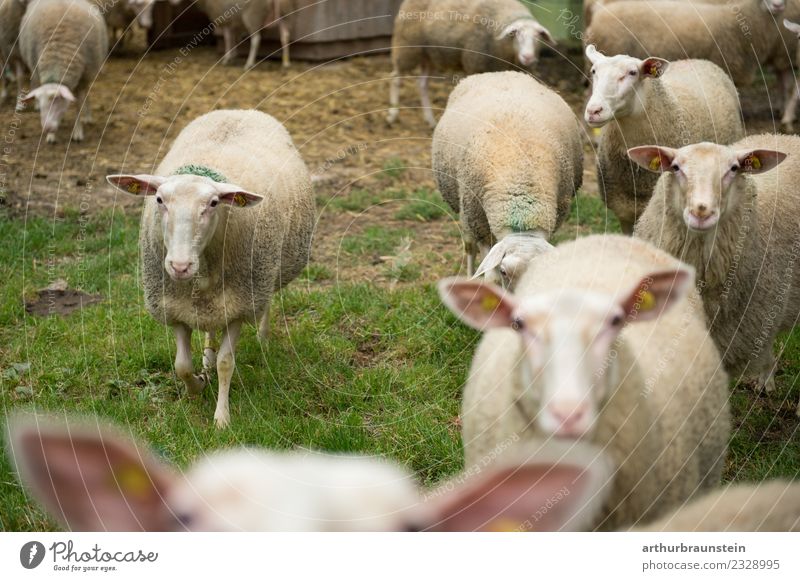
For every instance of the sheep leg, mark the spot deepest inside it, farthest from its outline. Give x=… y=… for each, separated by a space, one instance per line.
x=285 y=33
x=766 y=379
x=19 y=71
x=263 y=326
x=255 y=42
x=471 y=250
x=225 y=366
x=791 y=89
x=77 y=130
x=228 y=38
x=210 y=353
x=183 y=360
x=424 y=98
x=394 y=97
x=3 y=85
x=626 y=226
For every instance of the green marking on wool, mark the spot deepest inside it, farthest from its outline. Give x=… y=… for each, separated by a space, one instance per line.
x=200 y=170
x=522 y=215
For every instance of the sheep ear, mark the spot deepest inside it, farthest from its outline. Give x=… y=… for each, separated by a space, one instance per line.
x=492 y=260
x=89 y=478
x=138 y=185
x=653 y=67
x=509 y=30
x=653 y=158
x=655 y=293
x=791 y=26
x=236 y=196
x=530 y=497
x=592 y=53
x=759 y=160
x=479 y=304
x=545 y=34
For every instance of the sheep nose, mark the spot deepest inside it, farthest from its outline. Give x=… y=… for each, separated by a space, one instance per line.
x=594 y=110
x=701 y=210
x=569 y=415
x=180 y=267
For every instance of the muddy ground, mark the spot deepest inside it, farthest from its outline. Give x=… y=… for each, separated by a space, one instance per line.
x=335 y=112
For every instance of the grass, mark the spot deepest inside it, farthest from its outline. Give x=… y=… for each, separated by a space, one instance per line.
x=353 y=367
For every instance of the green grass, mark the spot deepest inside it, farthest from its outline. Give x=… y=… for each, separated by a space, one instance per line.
x=394 y=167
x=349 y=367
x=424 y=205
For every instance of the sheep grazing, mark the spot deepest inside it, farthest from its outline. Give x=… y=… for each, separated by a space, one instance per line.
x=91 y=477
x=473 y=36
x=508 y=158
x=121 y=14
x=210 y=259
x=653 y=101
x=738 y=35
x=11 y=12
x=253 y=17
x=64 y=43
x=604 y=340
x=721 y=209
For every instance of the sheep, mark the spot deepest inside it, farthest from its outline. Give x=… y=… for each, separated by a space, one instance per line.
x=473 y=36
x=64 y=43
x=720 y=209
x=738 y=36
x=209 y=260
x=604 y=340
x=11 y=12
x=254 y=16
x=121 y=14
x=790 y=107
x=508 y=158
x=93 y=477
x=653 y=101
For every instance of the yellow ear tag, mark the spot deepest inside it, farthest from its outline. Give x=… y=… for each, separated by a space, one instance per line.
x=133 y=480
x=240 y=200
x=754 y=162
x=134 y=187
x=504 y=525
x=655 y=163
x=489 y=303
x=647 y=301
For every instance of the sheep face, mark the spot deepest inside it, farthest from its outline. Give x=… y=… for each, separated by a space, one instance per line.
x=508 y=260
x=774 y=6
x=53 y=100
x=617 y=83
x=527 y=36
x=567 y=335
x=705 y=181
x=189 y=207
x=144 y=12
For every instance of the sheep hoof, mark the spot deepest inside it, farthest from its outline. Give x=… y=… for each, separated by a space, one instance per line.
x=249 y=66
x=391 y=118
x=209 y=359
x=20 y=108
x=50 y=138
x=222 y=420
x=77 y=134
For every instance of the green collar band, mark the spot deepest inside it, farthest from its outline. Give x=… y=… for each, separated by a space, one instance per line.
x=200 y=170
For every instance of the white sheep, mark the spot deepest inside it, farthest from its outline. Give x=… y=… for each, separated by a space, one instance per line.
x=210 y=259
x=231 y=16
x=738 y=35
x=11 y=12
x=721 y=209
x=64 y=44
x=604 y=340
x=121 y=14
x=508 y=158
x=639 y=101
x=790 y=108
x=91 y=477
x=473 y=36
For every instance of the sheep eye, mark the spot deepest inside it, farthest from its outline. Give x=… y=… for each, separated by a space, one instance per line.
x=214 y=203
x=632 y=73
x=735 y=168
x=517 y=324
x=159 y=200
x=594 y=72
x=675 y=167
x=616 y=321
x=503 y=271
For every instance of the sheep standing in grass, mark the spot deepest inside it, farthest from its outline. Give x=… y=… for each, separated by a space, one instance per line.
x=11 y=12
x=653 y=101
x=473 y=36
x=227 y=222
x=721 y=209
x=604 y=340
x=738 y=35
x=64 y=44
x=253 y=16
x=508 y=158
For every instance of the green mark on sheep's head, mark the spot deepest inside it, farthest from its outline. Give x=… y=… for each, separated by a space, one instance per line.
x=523 y=214
x=200 y=170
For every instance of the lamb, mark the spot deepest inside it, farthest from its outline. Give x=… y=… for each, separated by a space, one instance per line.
x=738 y=35
x=508 y=158
x=604 y=340
x=11 y=12
x=254 y=16
x=209 y=259
x=653 y=101
x=720 y=209
x=121 y=14
x=473 y=36
x=92 y=477
x=64 y=44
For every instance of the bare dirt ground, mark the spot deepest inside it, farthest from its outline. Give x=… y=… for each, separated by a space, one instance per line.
x=335 y=112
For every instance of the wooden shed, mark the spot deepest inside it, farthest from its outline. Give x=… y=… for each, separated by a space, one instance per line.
x=321 y=29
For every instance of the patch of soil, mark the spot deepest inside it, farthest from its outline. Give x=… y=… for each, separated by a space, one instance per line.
x=58 y=299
